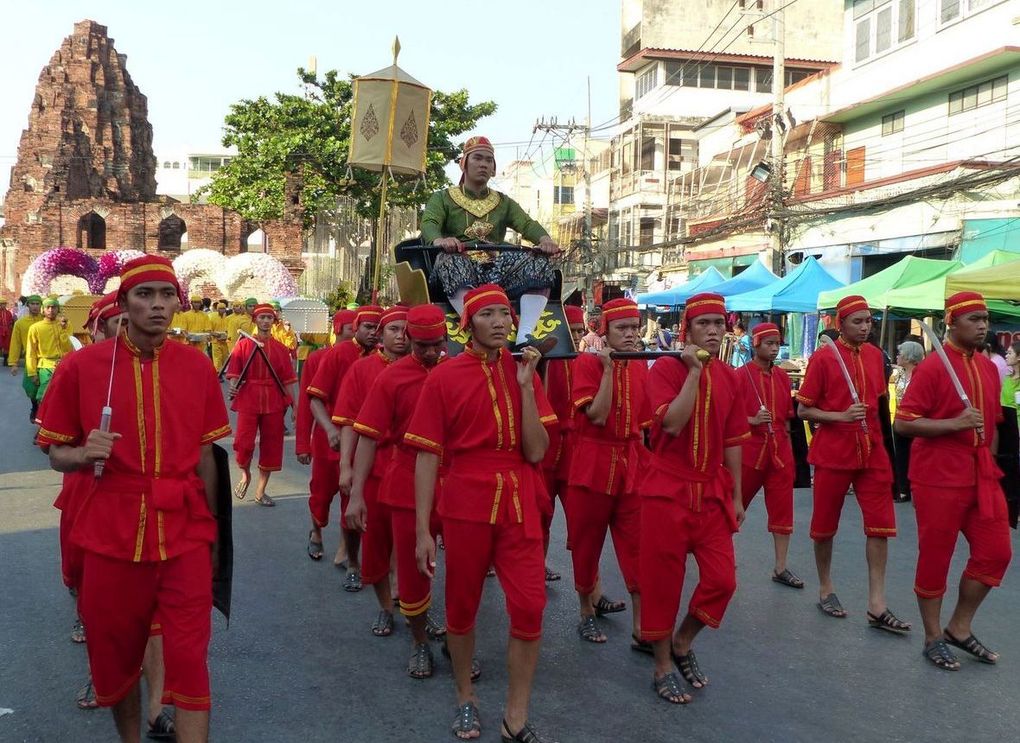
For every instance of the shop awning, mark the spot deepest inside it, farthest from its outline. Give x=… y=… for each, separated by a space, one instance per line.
x=724 y=266
x=796 y=292
x=907 y=272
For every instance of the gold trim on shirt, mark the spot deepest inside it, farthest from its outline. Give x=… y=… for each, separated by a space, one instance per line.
x=477 y=207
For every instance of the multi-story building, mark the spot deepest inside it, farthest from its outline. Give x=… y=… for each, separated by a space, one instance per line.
x=180 y=176
x=911 y=145
x=554 y=191
x=687 y=69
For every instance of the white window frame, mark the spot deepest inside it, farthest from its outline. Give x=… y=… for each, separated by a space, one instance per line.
x=866 y=16
x=642 y=86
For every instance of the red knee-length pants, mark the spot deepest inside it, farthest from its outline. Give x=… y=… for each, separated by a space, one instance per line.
x=377 y=541
x=872 y=490
x=520 y=566
x=942 y=515
x=670 y=530
x=590 y=516
x=120 y=601
x=778 y=483
x=269 y=427
x=323 y=488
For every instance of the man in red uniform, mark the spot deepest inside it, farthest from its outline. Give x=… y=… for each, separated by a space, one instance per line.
x=146 y=524
x=691 y=500
x=260 y=386
x=556 y=465
x=608 y=453
x=847 y=450
x=382 y=419
x=312 y=447
x=6 y=328
x=376 y=542
x=955 y=481
x=486 y=415
x=322 y=395
x=767 y=459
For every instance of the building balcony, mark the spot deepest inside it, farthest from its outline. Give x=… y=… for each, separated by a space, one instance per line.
x=630 y=42
x=637 y=181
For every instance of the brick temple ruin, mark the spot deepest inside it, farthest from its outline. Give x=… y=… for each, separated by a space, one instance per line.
x=85 y=174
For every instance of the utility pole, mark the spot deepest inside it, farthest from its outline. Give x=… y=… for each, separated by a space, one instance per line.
x=778 y=140
x=587 y=253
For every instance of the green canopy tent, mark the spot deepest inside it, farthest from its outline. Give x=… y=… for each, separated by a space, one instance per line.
x=908 y=272
x=997 y=282
x=929 y=297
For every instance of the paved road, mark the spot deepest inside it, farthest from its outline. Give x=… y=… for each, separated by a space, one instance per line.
x=298 y=662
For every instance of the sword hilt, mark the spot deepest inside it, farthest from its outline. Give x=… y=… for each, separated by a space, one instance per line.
x=104 y=426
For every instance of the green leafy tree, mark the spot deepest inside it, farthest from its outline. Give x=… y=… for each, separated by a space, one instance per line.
x=309 y=135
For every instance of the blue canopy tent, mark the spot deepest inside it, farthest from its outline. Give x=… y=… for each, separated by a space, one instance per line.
x=678 y=295
x=753 y=277
x=796 y=292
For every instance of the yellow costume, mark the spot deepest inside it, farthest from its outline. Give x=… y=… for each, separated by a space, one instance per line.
x=219 y=324
x=47 y=343
x=19 y=337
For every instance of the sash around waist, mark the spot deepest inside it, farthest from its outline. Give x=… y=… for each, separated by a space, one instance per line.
x=487 y=459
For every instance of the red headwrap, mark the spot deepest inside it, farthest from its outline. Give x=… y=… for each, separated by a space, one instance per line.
x=368 y=313
x=618 y=309
x=484 y=296
x=341 y=318
x=849 y=305
x=963 y=302
x=762 y=331
x=574 y=314
x=106 y=307
x=426 y=322
x=144 y=269
x=263 y=309
x=475 y=143
x=393 y=314
x=705 y=303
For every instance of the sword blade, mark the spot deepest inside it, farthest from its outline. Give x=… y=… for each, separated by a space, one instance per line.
x=829 y=343
x=953 y=377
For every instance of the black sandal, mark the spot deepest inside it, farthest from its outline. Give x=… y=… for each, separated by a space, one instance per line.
x=671 y=688
x=420 y=665
x=588 y=630
x=526 y=734
x=688 y=667
x=78 y=632
x=383 y=624
x=973 y=647
x=86 y=696
x=476 y=667
x=940 y=655
x=788 y=578
x=467 y=721
x=314 y=548
x=888 y=622
x=830 y=606
x=641 y=646
x=607 y=606
x=551 y=575
x=266 y=501
x=352 y=582
x=162 y=728
x=433 y=628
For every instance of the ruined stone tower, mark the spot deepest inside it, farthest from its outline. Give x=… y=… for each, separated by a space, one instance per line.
x=85 y=173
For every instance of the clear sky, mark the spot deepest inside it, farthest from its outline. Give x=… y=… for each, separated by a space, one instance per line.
x=193 y=59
